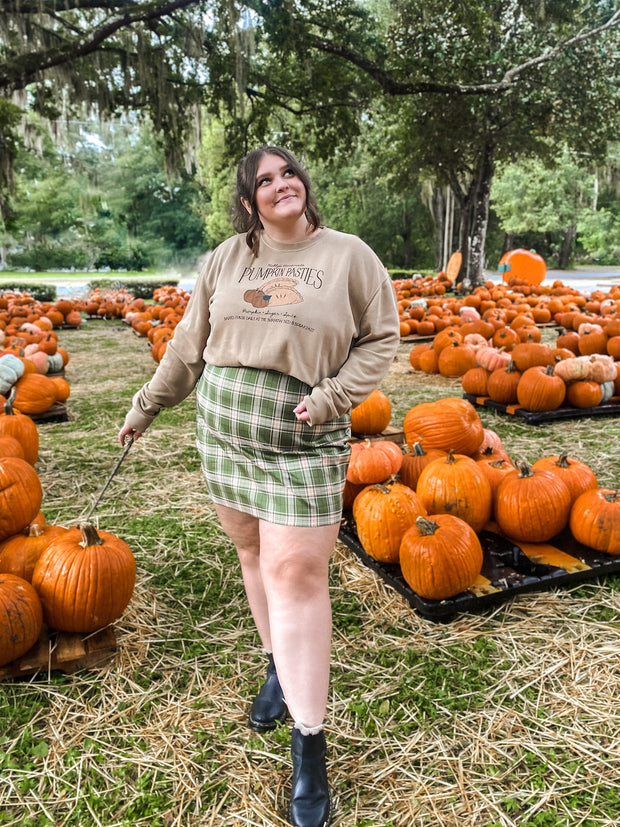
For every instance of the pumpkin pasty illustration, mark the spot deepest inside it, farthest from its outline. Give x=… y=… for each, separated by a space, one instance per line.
x=274 y=294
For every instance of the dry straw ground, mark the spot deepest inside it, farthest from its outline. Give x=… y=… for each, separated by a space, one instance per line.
x=507 y=716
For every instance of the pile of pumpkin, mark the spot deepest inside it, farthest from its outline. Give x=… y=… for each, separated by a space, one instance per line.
x=73 y=579
x=154 y=320
x=495 y=360
x=535 y=305
x=17 y=309
x=423 y=508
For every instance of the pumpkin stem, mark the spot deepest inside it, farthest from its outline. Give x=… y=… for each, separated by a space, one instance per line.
x=8 y=405
x=611 y=496
x=562 y=461
x=523 y=468
x=34 y=530
x=426 y=526
x=90 y=537
x=450 y=459
x=418 y=450
x=498 y=463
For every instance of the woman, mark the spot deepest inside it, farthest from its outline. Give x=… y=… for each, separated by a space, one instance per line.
x=290 y=324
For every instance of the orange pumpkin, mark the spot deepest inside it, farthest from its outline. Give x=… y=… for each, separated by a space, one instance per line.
x=85 y=579
x=532 y=505
x=21 y=617
x=382 y=515
x=595 y=519
x=440 y=556
x=21 y=495
x=372 y=462
x=456 y=485
x=372 y=416
x=447 y=423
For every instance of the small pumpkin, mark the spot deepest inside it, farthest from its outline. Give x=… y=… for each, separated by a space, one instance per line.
x=21 y=427
x=578 y=476
x=456 y=485
x=382 y=515
x=373 y=461
x=532 y=505
x=502 y=384
x=584 y=394
x=85 y=579
x=21 y=617
x=372 y=416
x=595 y=520
x=415 y=461
x=21 y=495
x=440 y=556
x=19 y=552
x=540 y=390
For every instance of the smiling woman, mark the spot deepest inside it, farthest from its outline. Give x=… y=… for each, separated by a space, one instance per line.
x=289 y=326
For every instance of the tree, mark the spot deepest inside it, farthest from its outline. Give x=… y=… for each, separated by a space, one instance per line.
x=463 y=86
x=108 y=55
x=531 y=197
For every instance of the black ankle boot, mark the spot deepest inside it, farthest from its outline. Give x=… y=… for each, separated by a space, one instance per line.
x=311 y=804
x=269 y=706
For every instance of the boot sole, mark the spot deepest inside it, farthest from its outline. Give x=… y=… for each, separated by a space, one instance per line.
x=266 y=726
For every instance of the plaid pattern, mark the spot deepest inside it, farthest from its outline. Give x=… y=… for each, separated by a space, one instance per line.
x=256 y=456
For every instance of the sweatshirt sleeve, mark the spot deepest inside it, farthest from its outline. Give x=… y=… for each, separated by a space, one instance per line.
x=369 y=359
x=182 y=363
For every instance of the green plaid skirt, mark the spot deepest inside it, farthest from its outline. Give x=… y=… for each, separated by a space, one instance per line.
x=258 y=458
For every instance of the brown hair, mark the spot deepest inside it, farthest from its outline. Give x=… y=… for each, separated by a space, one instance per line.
x=250 y=223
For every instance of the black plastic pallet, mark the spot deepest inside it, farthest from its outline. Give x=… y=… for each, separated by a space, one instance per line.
x=506 y=571
x=611 y=408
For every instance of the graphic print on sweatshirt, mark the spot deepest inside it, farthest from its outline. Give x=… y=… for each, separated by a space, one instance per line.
x=274 y=294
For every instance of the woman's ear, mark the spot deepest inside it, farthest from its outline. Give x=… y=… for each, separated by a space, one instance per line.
x=247 y=205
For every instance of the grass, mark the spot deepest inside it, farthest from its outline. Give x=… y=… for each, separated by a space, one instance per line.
x=499 y=718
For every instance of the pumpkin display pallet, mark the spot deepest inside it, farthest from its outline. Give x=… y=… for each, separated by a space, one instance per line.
x=393 y=434
x=64 y=651
x=57 y=413
x=508 y=570
x=610 y=408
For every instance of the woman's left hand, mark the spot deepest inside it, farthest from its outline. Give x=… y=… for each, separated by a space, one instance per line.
x=301 y=413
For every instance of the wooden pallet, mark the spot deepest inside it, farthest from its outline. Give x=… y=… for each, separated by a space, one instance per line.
x=57 y=413
x=393 y=434
x=65 y=651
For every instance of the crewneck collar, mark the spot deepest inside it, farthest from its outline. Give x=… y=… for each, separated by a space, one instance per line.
x=292 y=246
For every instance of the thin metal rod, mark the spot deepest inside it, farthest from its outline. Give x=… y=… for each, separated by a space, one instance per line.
x=128 y=444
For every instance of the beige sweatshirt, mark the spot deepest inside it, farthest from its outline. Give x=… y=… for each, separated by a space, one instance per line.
x=322 y=310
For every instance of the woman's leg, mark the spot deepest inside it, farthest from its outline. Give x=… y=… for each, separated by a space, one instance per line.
x=243 y=530
x=294 y=563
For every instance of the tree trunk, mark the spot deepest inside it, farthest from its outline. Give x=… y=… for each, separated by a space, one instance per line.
x=480 y=217
x=570 y=233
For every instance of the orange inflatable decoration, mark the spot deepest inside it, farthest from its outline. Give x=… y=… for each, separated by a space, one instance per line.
x=523 y=264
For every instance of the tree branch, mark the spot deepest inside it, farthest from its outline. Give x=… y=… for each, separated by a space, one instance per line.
x=24 y=69
x=395 y=87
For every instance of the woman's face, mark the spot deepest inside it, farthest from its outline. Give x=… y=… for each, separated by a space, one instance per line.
x=280 y=195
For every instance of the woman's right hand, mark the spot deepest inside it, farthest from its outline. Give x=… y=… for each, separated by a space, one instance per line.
x=127 y=430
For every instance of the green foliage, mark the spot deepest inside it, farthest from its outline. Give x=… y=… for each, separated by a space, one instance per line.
x=40 y=292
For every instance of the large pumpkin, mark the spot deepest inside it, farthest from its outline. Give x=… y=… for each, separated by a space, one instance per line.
x=595 y=519
x=447 y=423
x=21 y=495
x=372 y=415
x=532 y=505
x=21 y=617
x=382 y=515
x=85 y=579
x=34 y=393
x=456 y=485
x=440 y=556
